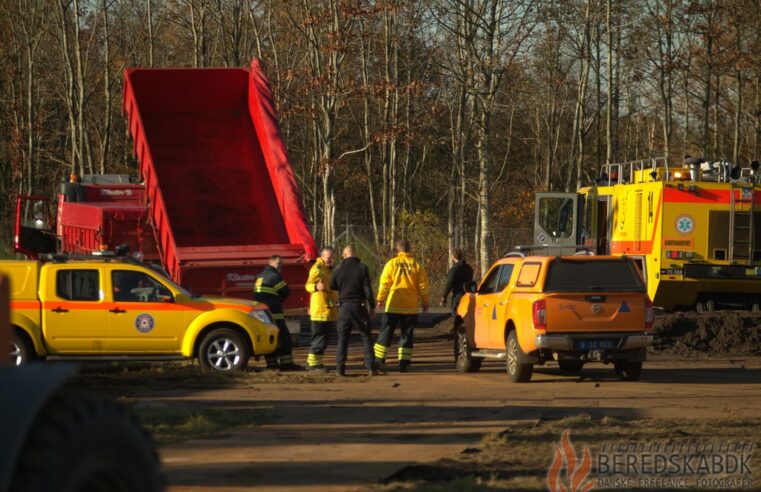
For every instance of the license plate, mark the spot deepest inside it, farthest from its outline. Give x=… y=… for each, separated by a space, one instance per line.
x=595 y=344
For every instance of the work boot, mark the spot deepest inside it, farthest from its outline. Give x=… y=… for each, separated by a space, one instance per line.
x=341 y=371
x=272 y=364
x=404 y=368
x=378 y=369
x=290 y=367
x=373 y=372
x=319 y=369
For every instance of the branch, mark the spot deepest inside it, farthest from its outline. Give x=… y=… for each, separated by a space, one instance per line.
x=355 y=151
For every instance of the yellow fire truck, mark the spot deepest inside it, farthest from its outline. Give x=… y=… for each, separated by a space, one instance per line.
x=692 y=228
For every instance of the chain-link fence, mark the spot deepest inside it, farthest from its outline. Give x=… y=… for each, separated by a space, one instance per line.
x=430 y=246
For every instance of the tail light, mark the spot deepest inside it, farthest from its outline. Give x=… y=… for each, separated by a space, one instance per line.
x=649 y=314
x=539 y=311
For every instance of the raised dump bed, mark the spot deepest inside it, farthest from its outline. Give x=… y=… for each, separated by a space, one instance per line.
x=221 y=192
x=218 y=196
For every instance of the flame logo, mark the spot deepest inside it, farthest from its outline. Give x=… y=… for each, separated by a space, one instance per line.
x=576 y=474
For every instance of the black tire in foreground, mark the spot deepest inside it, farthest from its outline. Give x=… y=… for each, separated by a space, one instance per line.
x=517 y=372
x=627 y=370
x=463 y=359
x=85 y=442
x=223 y=350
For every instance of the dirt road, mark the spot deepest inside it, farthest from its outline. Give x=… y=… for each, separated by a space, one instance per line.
x=330 y=434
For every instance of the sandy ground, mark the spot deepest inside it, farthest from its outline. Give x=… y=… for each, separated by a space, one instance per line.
x=332 y=434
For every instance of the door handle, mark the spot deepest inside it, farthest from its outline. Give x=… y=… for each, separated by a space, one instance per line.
x=59 y=310
x=486 y=304
x=117 y=310
x=502 y=303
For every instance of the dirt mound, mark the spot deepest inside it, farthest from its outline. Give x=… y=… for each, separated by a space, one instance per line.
x=726 y=332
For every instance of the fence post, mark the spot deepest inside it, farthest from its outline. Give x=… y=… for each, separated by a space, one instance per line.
x=5 y=315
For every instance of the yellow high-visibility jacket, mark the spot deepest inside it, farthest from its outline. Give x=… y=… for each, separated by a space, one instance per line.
x=322 y=304
x=403 y=285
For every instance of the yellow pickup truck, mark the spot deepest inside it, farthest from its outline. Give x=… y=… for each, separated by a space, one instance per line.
x=571 y=309
x=118 y=308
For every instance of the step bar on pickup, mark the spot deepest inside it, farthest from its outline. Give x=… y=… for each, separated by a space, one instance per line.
x=116 y=358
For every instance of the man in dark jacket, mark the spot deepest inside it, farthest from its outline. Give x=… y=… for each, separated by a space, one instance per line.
x=458 y=275
x=356 y=301
x=271 y=289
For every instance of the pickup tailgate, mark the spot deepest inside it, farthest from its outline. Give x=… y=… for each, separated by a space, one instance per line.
x=594 y=312
x=594 y=294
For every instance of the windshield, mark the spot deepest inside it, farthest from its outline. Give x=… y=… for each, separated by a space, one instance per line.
x=166 y=278
x=593 y=276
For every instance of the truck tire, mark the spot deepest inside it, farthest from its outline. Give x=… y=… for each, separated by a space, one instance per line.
x=463 y=359
x=628 y=370
x=21 y=352
x=571 y=366
x=82 y=441
x=223 y=350
x=517 y=372
x=710 y=306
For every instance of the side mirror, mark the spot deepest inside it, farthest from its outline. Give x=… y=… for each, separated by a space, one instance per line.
x=470 y=287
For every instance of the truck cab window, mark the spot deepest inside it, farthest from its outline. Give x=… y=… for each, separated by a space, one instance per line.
x=504 y=277
x=78 y=285
x=489 y=286
x=131 y=286
x=556 y=216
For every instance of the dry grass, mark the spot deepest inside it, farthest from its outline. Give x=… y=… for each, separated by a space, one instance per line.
x=519 y=458
x=172 y=423
x=126 y=380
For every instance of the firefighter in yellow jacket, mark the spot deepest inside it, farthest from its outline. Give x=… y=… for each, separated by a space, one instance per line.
x=403 y=290
x=322 y=307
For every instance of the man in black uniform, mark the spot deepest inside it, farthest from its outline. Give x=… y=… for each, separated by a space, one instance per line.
x=458 y=275
x=356 y=301
x=271 y=289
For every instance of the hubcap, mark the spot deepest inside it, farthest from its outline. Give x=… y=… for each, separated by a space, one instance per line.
x=512 y=357
x=223 y=354
x=16 y=356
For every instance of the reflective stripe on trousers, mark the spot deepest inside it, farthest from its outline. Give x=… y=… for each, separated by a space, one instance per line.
x=380 y=351
x=405 y=353
x=314 y=360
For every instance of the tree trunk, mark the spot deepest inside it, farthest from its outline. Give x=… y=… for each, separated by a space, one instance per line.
x=738 y=116
x=106 y=141
x=151 y=39
x=609 y=102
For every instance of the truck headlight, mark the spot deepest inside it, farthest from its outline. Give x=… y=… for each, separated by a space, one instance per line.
x=262 y=315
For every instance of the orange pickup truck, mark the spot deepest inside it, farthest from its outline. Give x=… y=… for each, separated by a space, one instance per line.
x=575 y=309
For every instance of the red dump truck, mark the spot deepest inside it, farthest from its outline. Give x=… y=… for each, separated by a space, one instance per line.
x=216 y=195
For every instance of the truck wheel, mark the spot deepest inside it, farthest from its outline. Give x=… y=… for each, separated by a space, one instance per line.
x=223 y=350
x=21 y=352
x=82 y=441
x=710 y=306
x=627 y=370
x=516 y=371
x=571 y=366
x=463 y=359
